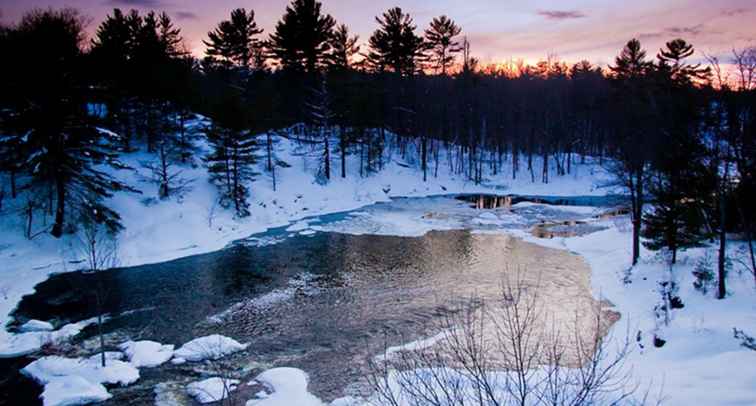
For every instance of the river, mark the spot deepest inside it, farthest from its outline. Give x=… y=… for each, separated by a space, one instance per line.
x=324 y=294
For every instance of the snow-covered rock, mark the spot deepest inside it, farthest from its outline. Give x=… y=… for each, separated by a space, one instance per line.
x=211 y=390
x=211 y=347
x=147 y=353
x=25 y=343
x=73 y=390
x=47 y=369
x=288 y=387
x=78 y=381
x=35 y=326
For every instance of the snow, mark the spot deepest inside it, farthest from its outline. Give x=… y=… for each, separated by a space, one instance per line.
x=147 y=354
x=76 y=381
x=163 y=230
x=412 y=346
x=35 y=326
x=700 y=364
x=73 y=390
x=288 y=386
x=212 y=389
x=49 y=368
x=210 y=347
x=28 y=342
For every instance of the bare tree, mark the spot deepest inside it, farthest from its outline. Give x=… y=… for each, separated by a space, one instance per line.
x=99 y=248
x=510 y=353
x=745 y=66
x=165 y=174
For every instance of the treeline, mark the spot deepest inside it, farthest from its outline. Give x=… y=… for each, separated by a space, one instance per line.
x=678 y=137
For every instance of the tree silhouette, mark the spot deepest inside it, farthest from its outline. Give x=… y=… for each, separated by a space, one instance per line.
x=394 y=46
x=441 y=43
x=302 y=37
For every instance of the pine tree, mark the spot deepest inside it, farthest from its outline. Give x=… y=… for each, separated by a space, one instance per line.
x=234 y=41
x=442 y=46
x=170 y=37
x=322 y=118
x=65 y=151
x=302 y=39
x=343 y=48
x=631 y=62
x=394 y=46
x=679 y=191
x=635 y=128
x=672 y=60
x=677 y=220
x=233 y=155
x=112 y=53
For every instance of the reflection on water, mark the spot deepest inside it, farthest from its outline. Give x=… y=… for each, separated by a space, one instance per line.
x=361 y=292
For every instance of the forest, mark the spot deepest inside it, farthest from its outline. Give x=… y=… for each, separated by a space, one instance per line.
x=675 y=128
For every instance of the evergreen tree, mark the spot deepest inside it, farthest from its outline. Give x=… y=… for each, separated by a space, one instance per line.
x=442 y=46
x=680 y=189
x=677 y=220
x=234 y=41
x=231 y=160
x=343 y=48
x=322 y=119
x=302 y=39
x=635 y=130
x=631 y=62
x=112 y=53
x=65 y=151
x=170 y=37
x=394 y=46
x=672 y=60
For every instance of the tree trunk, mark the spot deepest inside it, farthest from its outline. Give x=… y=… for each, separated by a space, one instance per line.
x=721 y=274
x=637 y=215
x=424 y=153
x=235 y=194
x=29 y=219
x=327 y=157
x=164 y=187
x=60 y=211
x=342 y=148
x=99 y=299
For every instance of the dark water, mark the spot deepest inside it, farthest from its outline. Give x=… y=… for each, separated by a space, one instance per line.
x=322 y=303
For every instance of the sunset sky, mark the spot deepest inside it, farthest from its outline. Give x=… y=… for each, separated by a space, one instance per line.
x=499 y=30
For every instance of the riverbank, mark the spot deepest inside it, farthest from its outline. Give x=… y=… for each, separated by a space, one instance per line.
x=157 y=231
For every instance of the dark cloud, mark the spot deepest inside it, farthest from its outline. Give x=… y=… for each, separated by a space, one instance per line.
x=186 y=15
x=561 y=14
x=650 y=35
x=735 y=12
x=692 y=31
x=136 y=3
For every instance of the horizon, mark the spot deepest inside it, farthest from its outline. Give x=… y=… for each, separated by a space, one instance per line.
x=499 y=32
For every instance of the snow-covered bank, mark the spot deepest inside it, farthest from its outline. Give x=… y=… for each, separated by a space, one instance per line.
x=700 y=363
x=158 y=231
